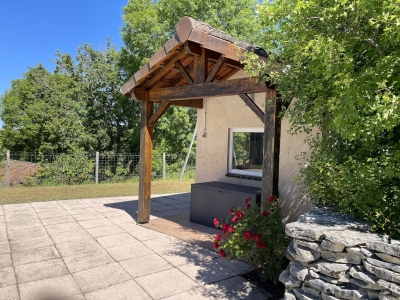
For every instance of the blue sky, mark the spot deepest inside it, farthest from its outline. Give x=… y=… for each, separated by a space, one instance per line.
x=31 y=31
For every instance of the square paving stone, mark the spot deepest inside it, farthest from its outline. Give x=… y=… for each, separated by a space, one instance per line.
x=88 y=216
x=63 y=227
x=165 y=244
x=77 y=247
x=3 y=237
x=166 y=283
x=5 y=260
x=80 y=211
x=87 y=260
x=145 y=265
x=19 y=216
x=95 y=223
x=24 y=224
x=41 y=270
x=9 y=293
x=74 y=297
x=122 y=219
x=189 y=254
x=7 y=277
x=131 y=227
x=35 y=255
x=27 y=233
x=124 y=252
x=237 y=266
x=50 y=288
x=27 y=244
x=58 y=220
x=117 y=213
x=4 y=247
x=52 y=214
x=105 y=230
x=194 y=294
x=128 y=290
x=145 y=235
x=235 y=288
x=206 y=272
x=116 y=240
x=46 y=206
x=70 y=236
x=100 y=277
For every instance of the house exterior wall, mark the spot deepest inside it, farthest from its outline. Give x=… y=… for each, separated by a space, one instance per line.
x=216 y=118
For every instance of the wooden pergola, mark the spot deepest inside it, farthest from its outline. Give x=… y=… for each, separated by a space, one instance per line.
x=193 y=65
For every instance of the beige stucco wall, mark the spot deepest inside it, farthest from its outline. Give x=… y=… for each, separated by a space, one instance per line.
x=216 y=118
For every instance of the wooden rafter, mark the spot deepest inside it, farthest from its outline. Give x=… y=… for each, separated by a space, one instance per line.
x=159 y=112
x=217 y=67
x=184 y=73
x=204 y=90
x=253 y=106
x=200 y=69
x=161 y=73
x=194 y=103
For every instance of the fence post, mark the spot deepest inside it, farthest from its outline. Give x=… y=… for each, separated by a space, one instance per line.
x=8 y=163
x=97 y=167
x=163 y=165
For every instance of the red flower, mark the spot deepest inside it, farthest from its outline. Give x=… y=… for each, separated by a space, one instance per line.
x=265 y=214
x=247 y=235
x=271 y=199
x=216 y=222
x=218 y=237
x=231 y=212
x=222 y=253
x=215 y=245
x=239 y=214
x=257 y=237
x=231 y=229
x=248 y=206
x=235 y=219
x=261 y=245
x=247 y=200
x=224 y=229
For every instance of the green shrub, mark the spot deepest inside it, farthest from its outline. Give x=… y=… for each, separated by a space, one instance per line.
x=257 y=237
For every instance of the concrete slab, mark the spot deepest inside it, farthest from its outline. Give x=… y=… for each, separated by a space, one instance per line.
x=77 y=247
x=5 y=260
x=51 y=288
x=87 y=260
x=116 y=240
x=7 y=277
x=58 y=220
x=4 y=247
x=69 y=236
x=145 y=265
x=23 y=224
x=187 y=255
x=207 y=272
x=73 y=226
x=235 y=288
x=128 y=290
x=41 y=270
x=100 y=277
x=104 y=230
x=79 y=211
x=88 y=216
x=165 y=244
x=194 y=294
x=9 y=293
x=145 y=235
x=46 y=206
x=124 y=252
x=237 y=266
x=132 y=227
x=3 y=236
x=95 y=223
x=52 y=214
x=27 y=244
x=27 y=233
x=18 y=216
x=123 y=219
x=166 y=283
x=35 y=255
x=74 y=297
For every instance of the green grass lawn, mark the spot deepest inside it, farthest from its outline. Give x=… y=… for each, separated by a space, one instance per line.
x=48 y=193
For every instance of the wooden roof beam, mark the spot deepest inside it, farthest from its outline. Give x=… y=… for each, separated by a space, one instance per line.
x=253 y=106
x=159 y=112
x=215 y=70
x=203 y=90
x=184 y=73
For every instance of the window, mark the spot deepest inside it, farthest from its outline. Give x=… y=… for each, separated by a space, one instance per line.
x=245 y=151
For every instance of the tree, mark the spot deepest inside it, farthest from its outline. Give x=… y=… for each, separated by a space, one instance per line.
x=148 y=25
x=341 y=61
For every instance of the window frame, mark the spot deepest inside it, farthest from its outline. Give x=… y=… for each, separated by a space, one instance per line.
x=230 y=151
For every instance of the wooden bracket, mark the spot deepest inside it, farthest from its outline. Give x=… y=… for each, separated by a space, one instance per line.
x=253 y=106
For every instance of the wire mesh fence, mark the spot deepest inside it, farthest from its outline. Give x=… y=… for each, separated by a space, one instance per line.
x=34 y=168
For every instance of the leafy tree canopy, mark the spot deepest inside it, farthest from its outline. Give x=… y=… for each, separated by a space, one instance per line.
x=341 y=61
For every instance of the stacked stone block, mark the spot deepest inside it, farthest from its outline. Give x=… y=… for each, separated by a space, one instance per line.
x=333 y=256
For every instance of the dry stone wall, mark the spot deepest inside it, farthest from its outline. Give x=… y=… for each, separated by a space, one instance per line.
x=333 y=256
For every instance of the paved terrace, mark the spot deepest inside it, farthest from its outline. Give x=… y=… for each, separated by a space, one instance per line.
x=93 y=249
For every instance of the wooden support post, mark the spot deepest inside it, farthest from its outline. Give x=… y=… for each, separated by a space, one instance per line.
x=271 y=147
x=146 y=149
